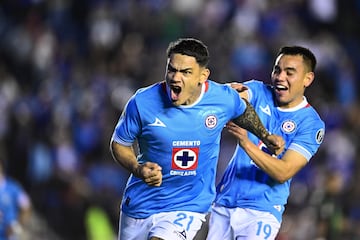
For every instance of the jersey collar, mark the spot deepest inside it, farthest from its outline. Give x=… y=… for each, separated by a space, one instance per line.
x=303 y=104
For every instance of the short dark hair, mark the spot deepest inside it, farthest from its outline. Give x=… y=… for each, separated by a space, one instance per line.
x=307 y=54
x=190 y=47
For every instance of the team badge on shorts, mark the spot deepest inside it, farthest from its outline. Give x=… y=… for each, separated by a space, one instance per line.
x=211 y=121
x=185 y=158
x=288 y=126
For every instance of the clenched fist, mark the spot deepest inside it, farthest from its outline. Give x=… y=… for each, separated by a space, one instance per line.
x=150 y=172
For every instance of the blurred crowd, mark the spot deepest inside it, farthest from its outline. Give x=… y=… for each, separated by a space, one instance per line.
x=67 y=69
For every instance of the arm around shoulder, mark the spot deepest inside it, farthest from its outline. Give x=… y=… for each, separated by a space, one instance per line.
x=250 y=121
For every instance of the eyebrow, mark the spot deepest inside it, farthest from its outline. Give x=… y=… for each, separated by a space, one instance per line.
x=290 y=69
x=285 y=69
x=171 y=68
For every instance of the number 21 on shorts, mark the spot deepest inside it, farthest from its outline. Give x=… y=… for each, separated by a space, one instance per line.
x=183 y=220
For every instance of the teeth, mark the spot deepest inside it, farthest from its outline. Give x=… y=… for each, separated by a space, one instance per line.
x=280 y=87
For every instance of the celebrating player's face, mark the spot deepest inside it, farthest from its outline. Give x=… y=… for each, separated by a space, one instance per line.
x=290 y=77
x=184 y=78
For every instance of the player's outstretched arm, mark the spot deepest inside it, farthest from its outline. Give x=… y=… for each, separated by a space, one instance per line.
x=280 y=169
x=149 y=172
x=250 y=121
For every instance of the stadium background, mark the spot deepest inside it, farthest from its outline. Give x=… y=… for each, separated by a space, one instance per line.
x=68 y=67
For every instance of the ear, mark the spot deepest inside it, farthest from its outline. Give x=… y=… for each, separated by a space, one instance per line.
x=204 y=75
x=309 y=78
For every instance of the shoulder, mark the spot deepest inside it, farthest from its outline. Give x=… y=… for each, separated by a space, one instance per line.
x=151 y=89
x=13 y=185
x=313 y=114
x=147 y=95
x=218 y=87
x=258 y=89
x=311 y=122
x=257 y=84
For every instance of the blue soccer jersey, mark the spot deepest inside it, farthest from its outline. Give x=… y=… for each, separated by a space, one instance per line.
x=183 y=140
x=8 y=205
x=7 y=217
x=244 y=184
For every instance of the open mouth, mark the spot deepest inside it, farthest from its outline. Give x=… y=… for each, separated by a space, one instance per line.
x=175 y=92
x=280 y=87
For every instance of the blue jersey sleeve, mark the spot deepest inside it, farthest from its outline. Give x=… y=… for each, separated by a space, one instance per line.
x=129 y=124
x=255 y=86
x=239 y=104
x=310 y=136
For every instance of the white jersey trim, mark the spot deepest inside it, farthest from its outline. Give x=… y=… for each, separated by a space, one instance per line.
x=300 y=149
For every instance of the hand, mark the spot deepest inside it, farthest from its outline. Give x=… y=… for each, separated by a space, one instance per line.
x=275 y=144
x=238 y=132
x=150 y=173
x=239 y=87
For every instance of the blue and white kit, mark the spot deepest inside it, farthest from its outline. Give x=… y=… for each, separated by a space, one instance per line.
x=244 y=184
x=183 y=140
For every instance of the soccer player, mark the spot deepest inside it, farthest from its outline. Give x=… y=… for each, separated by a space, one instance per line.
x=177 y=124
x=253 y=192
x=8 y=221
x=15 y=206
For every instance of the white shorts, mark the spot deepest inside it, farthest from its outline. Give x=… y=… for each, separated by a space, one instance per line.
x=241 y=224
x=178 y=225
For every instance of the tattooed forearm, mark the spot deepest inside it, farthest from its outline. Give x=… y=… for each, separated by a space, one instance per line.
x=250 y=121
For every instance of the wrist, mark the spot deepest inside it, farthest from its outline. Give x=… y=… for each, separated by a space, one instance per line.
x=266 y=139
x=265 y=136
x=135 y=170
x=245 y=144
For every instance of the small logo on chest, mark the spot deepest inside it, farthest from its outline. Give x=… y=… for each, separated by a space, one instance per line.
x=157 y=123
x=288 y=126
x=211 y=121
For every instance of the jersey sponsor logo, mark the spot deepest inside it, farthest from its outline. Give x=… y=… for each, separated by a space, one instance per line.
x=157 y=123
x=266 y=110
x=183 y=173
x=211 y=121
x=186 y=143
x=185 y=158
x=320 y=135
x=288 y=126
